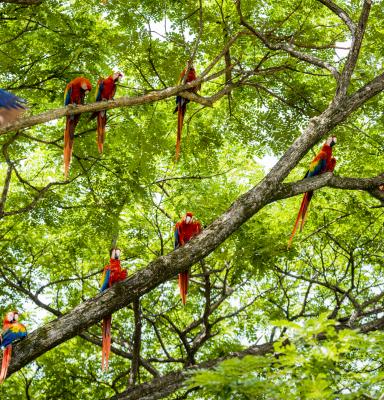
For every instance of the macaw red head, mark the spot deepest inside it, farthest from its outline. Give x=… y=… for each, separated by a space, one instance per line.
x=86 y=85
x=117 y=76
x=115 y=253
x=188 y=217
x=331 y=141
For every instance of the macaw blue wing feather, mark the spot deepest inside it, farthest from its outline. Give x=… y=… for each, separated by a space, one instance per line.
x=67 y=95
x=99 y=90
x=318 y=166
x=15 y=332
x=177 y=237
x=9 y=100
x=105 y=280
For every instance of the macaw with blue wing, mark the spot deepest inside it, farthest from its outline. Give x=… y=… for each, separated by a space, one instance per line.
x=112 y=273
x=106 y=90
x=11 y=107
x=12 y=331
x=323 y=162
x=74 y=94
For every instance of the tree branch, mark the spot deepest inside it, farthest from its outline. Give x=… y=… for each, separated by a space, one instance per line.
x=342 y=14
x=288 y=48
x=353 y=54
x=136 y=343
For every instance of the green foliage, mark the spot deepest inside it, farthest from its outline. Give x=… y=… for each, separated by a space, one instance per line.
x=335 y=365
x=52 y=250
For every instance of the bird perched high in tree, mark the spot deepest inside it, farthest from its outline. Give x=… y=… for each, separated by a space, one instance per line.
x=74 y=94
x=12 y=331
x=181 y=103
x=185 y=230
x=106 y=89
x=11 y=107
x=112 y=273
x=323 y=162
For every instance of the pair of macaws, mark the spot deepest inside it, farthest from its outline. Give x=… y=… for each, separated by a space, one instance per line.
x=11 y=107
x=112 y=273
x=12 y=331
x=74 y=94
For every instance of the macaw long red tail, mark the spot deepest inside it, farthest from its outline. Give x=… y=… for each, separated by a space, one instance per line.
x=101 y=124
x=69 y=135
x=302 y=215
x=180 y=119
x=5 y=363
x=183 y=285
x=106 y=342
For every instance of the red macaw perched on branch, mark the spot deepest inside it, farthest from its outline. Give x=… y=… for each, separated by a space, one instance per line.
x=323 y=162
x=12 y=331
x=181 y=104
x=11 y=107
x=112 y=273
x=106 y=89
x=74 y=93
x=185 y=230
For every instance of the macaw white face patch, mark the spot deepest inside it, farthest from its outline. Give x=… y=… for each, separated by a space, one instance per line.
x=117 y=76
x=10 y=316
x=331 y=141
x=188 y=219
x=16 y=317
x=115 y=254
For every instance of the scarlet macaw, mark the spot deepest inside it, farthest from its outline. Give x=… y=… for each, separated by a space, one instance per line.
x=185 y=230
x=106 y=89
x=12 y=331
x=11 y=107
x=112 y=273
x=323 y=162
x=74 y=93
x=181 y=104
